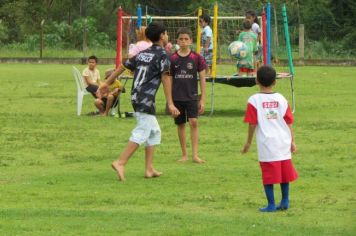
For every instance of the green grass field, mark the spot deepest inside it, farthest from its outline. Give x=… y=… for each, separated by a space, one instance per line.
x=56 y=179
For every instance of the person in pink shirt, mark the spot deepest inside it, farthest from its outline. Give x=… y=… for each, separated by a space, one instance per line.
x=142 y=42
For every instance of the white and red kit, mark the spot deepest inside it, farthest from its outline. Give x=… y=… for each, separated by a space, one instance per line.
x=271 y=114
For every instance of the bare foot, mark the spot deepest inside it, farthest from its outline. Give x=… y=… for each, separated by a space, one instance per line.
x=198 y=160
x=183 y=159
x=153 y=174
x=120 y=169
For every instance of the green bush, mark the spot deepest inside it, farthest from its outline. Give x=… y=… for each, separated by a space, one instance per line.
x=3 y=32
x=349 y=42
x=31 y=42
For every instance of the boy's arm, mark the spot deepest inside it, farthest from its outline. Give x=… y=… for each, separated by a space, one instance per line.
x=167 y=87
x=115 y=92
x=202 y=91
x=255 y=49
x=293 y=147
x=115 y=74
x=251 y=131
x=207 y=43
x=87 y=80
x=102 y=91
x=259 y=37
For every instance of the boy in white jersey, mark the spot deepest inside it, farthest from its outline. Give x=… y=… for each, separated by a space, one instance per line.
x=269 y=114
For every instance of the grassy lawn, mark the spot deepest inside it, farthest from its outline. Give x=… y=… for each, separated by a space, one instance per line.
x=56 y=179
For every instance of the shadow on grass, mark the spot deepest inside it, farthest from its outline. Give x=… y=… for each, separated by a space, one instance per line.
x=216 y=113
x=225 y=113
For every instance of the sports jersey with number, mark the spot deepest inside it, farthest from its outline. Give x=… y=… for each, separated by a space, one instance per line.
x=184 y=72
x=148 y=66
x=271 y=113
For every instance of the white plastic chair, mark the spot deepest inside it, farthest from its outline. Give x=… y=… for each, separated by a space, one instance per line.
x=81 y=91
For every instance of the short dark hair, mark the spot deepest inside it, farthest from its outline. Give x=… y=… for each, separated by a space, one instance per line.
x=184 y=30
x=93 y=58
x=266 y=75
x=247 y=25
x=205 y=18
x=252 y=13
x=154 y=30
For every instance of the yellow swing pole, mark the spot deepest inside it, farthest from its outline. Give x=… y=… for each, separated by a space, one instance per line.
x=197 y=49
x=215 y=41
x=215 y=47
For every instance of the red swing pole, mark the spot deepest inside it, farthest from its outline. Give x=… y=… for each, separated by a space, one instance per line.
x=119 y=37
x=264 y=37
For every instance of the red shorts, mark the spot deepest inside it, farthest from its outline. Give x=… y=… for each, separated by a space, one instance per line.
x=246 y=70
x=277 y=172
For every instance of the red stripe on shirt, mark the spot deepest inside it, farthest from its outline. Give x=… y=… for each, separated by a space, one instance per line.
x=288 y=117
x=251 y=114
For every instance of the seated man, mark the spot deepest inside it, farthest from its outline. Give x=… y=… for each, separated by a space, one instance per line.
x=107 y=95
x=91 y=76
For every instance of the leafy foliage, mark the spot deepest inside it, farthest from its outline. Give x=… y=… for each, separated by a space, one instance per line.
x=20 y=20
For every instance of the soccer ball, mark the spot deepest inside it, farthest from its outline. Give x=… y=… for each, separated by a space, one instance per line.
x=238 y=49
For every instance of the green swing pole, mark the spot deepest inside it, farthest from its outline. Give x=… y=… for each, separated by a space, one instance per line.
x=289 y=51
x=286 y=33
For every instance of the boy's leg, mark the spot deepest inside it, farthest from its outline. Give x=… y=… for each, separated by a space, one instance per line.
x=251 y=72
x=271 y=207
x=284 y=205
x=209 y=61
x=193 y=122
x=150 y=171
x=182 y=141
x=99 y=104
x=109 y=103
x=208 y=71
x=119 y=165
x=180 y=122
x=243 y=71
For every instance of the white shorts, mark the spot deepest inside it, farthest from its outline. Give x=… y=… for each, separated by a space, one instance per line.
x=147 y=130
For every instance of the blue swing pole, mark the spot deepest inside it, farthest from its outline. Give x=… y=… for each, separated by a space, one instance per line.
x=139 y=16
x=268 y=34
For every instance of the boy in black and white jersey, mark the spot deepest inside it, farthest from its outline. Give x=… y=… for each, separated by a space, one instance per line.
x=150 y=66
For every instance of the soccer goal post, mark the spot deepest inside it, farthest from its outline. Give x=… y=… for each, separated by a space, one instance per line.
x=226 y=31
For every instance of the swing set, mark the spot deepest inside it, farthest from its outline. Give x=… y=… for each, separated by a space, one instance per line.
x=128 y=24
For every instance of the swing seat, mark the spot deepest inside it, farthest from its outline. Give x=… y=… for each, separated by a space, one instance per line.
x=241 y=81
x=234 y=80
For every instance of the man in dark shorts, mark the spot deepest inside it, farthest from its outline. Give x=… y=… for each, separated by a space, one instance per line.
x=91 y=76
x=185 y=65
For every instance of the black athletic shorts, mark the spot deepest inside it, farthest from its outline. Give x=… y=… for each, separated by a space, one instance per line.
x=187 y=110
x=105 y=100
x=92 y=89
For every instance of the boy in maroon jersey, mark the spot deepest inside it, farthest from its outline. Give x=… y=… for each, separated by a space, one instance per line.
x=185 y=65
